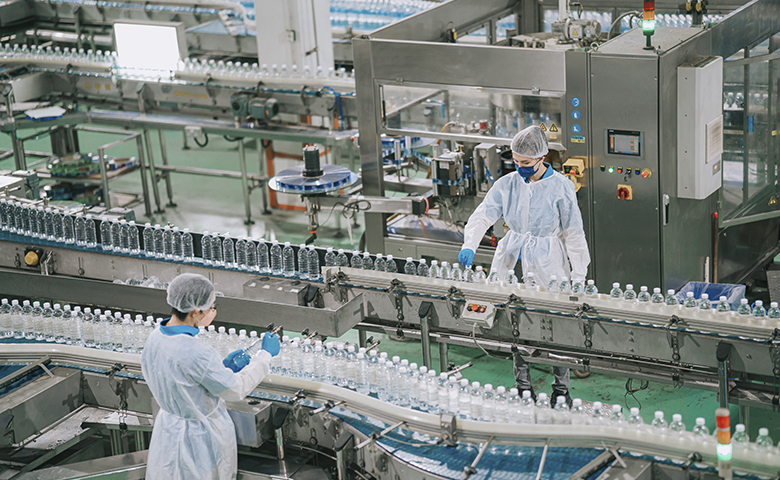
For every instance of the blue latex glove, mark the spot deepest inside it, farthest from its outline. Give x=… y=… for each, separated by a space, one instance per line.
x=466 y=257
x=271 y=344
x=236 y=360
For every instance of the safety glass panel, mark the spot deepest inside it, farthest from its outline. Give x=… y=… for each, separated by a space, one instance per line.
x=437 y=112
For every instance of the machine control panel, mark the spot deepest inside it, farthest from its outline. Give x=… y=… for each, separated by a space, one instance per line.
x=480 y=313
x=624 y=142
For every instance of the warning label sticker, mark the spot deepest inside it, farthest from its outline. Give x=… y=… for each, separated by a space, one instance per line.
x=553 y=128
x=543 y=127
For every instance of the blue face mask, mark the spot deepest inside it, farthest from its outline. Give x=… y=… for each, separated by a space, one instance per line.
x=527 y=172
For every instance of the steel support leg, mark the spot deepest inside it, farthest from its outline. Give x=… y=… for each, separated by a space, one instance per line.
x=244 y=182
x=104 y=178
x=153 y=171
x=167 y=174
x=444 y=359
x=425 y=316
x=362 y=338
x=723 y=353
x=263 y=171
x=144 y=184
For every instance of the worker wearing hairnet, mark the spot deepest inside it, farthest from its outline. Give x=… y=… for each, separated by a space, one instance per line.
x=193 y=435
x=540 y=208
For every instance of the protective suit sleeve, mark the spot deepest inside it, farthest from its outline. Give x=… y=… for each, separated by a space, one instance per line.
x=573 y=235
x=486 y=214
x=247 y=379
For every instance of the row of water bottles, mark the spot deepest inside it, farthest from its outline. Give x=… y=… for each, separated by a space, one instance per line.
x=66 y=54
x=55 y=323
x=225 y=341
x=272 y=72
x=46 y=222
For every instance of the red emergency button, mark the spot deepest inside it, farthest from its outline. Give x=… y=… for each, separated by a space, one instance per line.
x=481 y=309
x=646 y=173
x=474 y=307
x=624 y=192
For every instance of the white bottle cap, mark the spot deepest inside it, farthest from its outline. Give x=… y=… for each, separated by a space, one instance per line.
x=221 y=329
x=389 y=257
x=659 y=414
x=723 y=299
x=396 y=359
x=138 y=322
x=617 y=408
x=744 y=301
x=705 y=296
x=412 y=366
x=464 y=382
x=432 y=373
x=560 y=400
x=434 y=262
x=402 y=370
x=48 y=305
x=305 y=342
x=126 y=321
x=475 y=385
x=591 y=282
x=339 y=347
x=616 y=285
x=773 y=305
x=634 y=411
x=575 y=403
x=372 y=353
x=37 y=304
x=526 y=394
x=597 y=405
x=242 y=332
x=763 y=431
x=409 y=259
x=253 y=334
x=137 y=317
x=383 y=354
x=501 y=389
x=759 y=303
x=212 y=328
x=670 y=292
x=689 y=294
x=700 y=421
x=656 y=290
x=552 y=277
x=542 y=397
x=643 y=288
x=740 y=427
x=423 y=369
x=330 y=249
x=351 y=349
x=629 y=286
x=232 y=331
x=26 y=303
x=451 y=379
x=423 y=261
x=443 y=375
x=360 y=355
x=488 y=387
x=513 y=391
x=404 y=362
x=56 y=305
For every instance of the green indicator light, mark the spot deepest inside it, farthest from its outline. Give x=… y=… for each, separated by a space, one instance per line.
x=724 y=452
x=611 y=169
x=648 y=25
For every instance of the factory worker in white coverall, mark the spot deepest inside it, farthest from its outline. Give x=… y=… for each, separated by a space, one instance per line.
x=193 y=436
x=539 y=206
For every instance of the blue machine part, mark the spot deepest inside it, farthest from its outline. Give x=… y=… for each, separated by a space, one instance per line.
x=291 y=180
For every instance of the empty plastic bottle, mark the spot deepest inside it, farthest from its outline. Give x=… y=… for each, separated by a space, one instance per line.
x=288 y=260
x=149 y=249
x=616 y=293
x=303 y=262
x=758 y=309
x=106 y=241
x=263 y=258
x=578 y=416
x=380 y=265
x=476 y=401
x=700 y=430
x=658 y=423
x=313 y=263
x=657 y=298
x=217 y=253
x=410 y=268
x=630 y=294
x=671 y=299
x=330 y=258
x=229 y=252
x=689 y=302
x=774 y=311
x=187 y=247
x=590 y=288
x=356 y=261
x=635 y=419
x=342 y=260
x=704 y=303
x=644 y=295
x=457 y=273
x=479 y=275
x=561 y=414
x=543 y=410
x=744 y=308
x=763 y=440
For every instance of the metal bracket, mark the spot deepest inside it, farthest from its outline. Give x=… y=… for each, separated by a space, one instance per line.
x=454 y=307
x=774 y=353
x=587 y=327
x=376 y=436
x=672 y=337
x=397 y=289
x=448 y=425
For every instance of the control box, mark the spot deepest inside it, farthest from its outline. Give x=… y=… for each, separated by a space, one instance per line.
x=699 y=127
x=480 y=313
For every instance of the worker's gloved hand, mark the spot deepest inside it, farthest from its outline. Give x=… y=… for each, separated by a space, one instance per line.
x=271 y=344
x=236 y=361
x=466 y=257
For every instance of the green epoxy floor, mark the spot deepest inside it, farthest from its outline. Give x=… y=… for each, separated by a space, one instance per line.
x=215 y=204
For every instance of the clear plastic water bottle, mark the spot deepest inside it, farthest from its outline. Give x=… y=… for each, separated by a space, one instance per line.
x=241 y=251
x=561 y=414
x=229 y=252
x=453 y=395
x=340 y=361
x=373 y=372
x=616 y=418
x=578 y=415
x=700 y=430
x=564 y=286
x=773 y=312
x=543 y=409
x=476 y=401
x=705 y=304
x=41 y=218
x=435 y=270
x=318 y=373
x=677 y=424
x=414 y=390
x=26 y=329
x=689 y=302
x=168 y=242
x=106 y=324
x=37 y=322
x=116 y=235
x=5 y=319
x=313 y=263
x=330 y=258
x=432 y=385
x=616 y=293
x=148 y=234
x=635 y=419
x=513 y=406
x=307 y=356
x=630 y=294
x=68 y=228
x=422 y=389
x=758 y=309
x=598 y=415
x=217 y=253
x=368 y=264
x=494 y=278
x=380 y=265
x=763 y=440
x=356 y=261
x=671 y=299
x=263 y=258
x=16 y=320
x=529 y=279
x=644 y=295
x=422 y=268
x=128 y=337
x=80 y=230
x=657 y=298
x=744 y=308
x=133 y=242
x=464 y=399
x=488 y=404
x=341 y=259
x=457 y=273
x=552 y=285
x=479 y=275
x=577 y=286
x=658 y=424
x=159 y=241
x=512 y=280
x=187 y=246
x=207 y=252
x=446 y=271
x=362 y=368
x=402 y=396
x=590 y=288
x=350 y=368
x=106 y=241
x=58 y=324
x=527 y=408
x=410 y=268
x=303 y=262
x=740 y=438
x=48 y=325
x=288 y=260
x=176 y=240
x=469 y=275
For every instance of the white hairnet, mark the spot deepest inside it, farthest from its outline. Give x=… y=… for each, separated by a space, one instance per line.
x=189 y=292
x=530 y=142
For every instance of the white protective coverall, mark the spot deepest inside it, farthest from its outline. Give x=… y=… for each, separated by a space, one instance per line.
x=193 y=436
x=545 y=227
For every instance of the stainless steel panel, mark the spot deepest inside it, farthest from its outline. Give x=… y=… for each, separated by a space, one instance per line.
x=626 y=239
x=252 y=421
